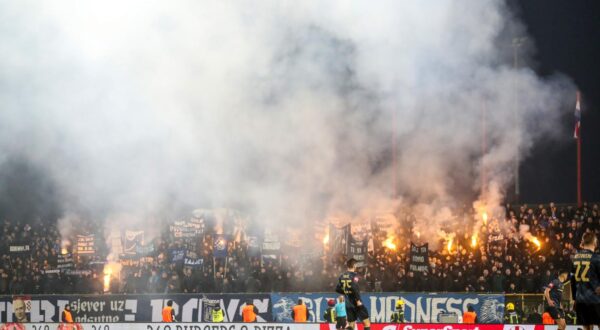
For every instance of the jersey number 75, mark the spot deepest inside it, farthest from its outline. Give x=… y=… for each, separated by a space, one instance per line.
x=347 y=286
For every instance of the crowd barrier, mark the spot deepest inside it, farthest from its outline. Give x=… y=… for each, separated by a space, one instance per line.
x=275 y=307
x=270 y=326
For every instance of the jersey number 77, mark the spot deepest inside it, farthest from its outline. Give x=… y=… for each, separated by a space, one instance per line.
x=581 y=271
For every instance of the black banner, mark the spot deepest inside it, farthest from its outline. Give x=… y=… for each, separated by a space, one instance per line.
x=419 y=258
x=358 y=251
x=19 y=249
x=339 y=239
x=193 y=262
x=253 y=246
x=187 y=229
x=86 y=244
x=65 y=262
x=136 y=308
x=176 y=255
x=133 y=240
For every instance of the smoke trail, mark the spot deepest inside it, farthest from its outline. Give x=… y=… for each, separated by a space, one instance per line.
x=282 y=109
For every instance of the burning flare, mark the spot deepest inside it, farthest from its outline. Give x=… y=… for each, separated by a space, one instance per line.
x=107 y=276
x=474 y=240
x=537 y=242
x=389 y=243
x=449 y=245
x=484 y=217
x=326 y=239
x=110 y=268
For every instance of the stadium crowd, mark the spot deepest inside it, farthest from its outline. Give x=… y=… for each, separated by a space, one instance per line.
x=502 y=261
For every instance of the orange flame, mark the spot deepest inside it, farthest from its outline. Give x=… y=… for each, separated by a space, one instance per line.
x=474 y=240
x=537 y=242
x=484 y=216
x=449 y=246
x=107 y=275
x=389 y=243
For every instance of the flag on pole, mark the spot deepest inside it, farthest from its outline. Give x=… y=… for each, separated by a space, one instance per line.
x=577 y=117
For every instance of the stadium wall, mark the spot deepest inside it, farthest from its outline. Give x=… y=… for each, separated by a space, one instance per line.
x=276 y=307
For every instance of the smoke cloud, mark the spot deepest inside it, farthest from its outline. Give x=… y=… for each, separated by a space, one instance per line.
x=283 y=109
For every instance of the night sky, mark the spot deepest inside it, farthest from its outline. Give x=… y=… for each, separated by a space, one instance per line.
x=567 y=40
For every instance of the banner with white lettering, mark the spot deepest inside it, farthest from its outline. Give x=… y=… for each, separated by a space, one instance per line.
x=420 y=308
x=176 y=255
x=86 y=244
x=19 y=249
x=65 y=262
x=187 y=229
x=130 y=308
x=193 y=262
x=419 y=258
x=358 y=250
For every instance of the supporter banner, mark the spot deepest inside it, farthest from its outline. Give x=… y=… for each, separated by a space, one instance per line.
x=78 y=272
x=418 y=307
x=495 y=237
x=419 y=258
x=19 y=249
x=65 y=261
x=144 y=250
x=358 y=251
x=220 y=246
x=86 y=244
x=133 y=240
x=338 y=239
x=193 y=262
x=253 y=246
x=443 y=326
x=271 y=248
x=131 y=308
x=177 y=255
x=187 y=229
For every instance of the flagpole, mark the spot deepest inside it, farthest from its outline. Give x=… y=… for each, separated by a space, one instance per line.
x=483 y=149
x=394 y=157
x=579 y=202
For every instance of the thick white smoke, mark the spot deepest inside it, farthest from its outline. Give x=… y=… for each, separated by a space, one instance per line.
x=281 y=108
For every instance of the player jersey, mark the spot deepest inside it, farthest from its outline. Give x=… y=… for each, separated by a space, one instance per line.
x=585 y=277
x=348 y=286
x=556 y=291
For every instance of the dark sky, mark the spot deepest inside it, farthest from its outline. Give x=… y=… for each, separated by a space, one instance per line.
x=567 y=40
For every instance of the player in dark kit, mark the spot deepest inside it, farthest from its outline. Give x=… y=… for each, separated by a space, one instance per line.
x=348 y=286
x=553 y=295
x=585 y=282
